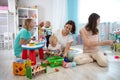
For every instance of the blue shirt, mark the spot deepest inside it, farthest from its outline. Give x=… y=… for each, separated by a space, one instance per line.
x=48 y=31
x=25 y=34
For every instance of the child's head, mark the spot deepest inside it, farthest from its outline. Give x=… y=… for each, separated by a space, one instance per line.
x=47 y=24
x=41 y=24
x=28 y=24
x=53 y=40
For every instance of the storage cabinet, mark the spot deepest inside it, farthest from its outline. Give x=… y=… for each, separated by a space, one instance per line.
x=24 y=13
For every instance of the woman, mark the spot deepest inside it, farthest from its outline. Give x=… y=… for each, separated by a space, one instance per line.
x=64 y=36
x=91 y=43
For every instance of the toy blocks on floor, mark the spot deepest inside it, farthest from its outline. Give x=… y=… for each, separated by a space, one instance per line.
x=24 y=68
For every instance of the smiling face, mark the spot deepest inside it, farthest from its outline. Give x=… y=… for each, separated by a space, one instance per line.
x=67 y=29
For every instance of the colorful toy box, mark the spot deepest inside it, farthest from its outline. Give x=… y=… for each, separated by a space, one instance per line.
x=19 y=67
x=55 y=61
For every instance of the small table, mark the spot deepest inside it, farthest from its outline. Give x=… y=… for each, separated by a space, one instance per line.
x=32 y=54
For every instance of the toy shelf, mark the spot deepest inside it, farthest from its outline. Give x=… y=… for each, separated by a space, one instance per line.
x=25 y=13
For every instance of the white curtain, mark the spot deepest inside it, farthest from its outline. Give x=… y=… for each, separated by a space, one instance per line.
x=59 y=14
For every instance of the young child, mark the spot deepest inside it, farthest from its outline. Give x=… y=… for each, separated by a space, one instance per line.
x=41 y=28
x=54 y=48
x=23 y=37
x=41 y=31
x=48 y=31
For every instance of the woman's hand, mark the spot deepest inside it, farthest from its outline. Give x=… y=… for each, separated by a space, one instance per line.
x=65 y=55
x=109 y=42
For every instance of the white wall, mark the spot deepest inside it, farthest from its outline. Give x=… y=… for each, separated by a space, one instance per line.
x=44 y=8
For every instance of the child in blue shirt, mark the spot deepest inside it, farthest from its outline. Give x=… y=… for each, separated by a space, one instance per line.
x=23 y=37
x=48 y=31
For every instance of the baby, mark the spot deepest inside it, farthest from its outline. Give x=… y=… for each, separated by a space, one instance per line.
x=54 y=49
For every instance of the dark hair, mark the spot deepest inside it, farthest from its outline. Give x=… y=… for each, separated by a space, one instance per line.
x=73 y=26
x=92 y=23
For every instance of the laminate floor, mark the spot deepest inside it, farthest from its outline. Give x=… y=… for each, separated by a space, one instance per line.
x=89 y=71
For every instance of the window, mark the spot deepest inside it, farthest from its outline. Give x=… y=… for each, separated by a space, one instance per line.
x=107 y=9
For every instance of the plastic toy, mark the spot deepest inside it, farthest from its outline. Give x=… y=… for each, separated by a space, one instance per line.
x=55 y=61
x=68 y=64
x=66 y=59
x=117 y=46
x=18 y=68
x=117 y=56
x=35 y=70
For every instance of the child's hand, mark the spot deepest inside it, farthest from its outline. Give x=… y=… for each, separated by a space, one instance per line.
x=33 y=38
x=56 y=55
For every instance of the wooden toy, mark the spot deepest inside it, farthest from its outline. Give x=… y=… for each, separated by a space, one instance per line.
x=32 y=71
x=55 y=70
x=19 y=67
x=55 y=61
x=31 y=50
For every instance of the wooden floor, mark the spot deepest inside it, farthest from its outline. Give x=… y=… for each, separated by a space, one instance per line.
x=89 y=71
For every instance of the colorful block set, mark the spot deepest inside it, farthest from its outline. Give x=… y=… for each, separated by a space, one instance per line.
x=24 y=68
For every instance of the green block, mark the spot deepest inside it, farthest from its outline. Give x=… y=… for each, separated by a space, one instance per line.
x=29 y=72
x=117 y=46
x=55 y=61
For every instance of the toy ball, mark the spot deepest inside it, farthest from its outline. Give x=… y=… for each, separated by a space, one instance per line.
x=116 y=57
x=66 y=59
x=73 y=64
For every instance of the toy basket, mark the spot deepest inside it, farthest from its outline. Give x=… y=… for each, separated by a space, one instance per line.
x=55 y=61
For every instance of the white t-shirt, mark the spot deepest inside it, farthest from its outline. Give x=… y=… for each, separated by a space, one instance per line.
x=63 y=40
x=58 y=46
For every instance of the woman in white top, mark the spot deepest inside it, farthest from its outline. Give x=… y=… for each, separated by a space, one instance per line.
x=64 y=36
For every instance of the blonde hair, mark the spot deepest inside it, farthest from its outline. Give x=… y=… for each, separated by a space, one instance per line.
x=53 y=39
x=47 y=24
x=27 y=23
